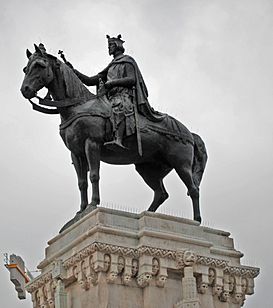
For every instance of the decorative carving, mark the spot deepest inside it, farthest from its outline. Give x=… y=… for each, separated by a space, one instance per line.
x=190 y=258
x=212 y=261
x=250 y=272
x=212 y=275
x=202 y=287
x=80 y=275
x=144 y=279
x=185 y=258
x=91 y=275
x=127 y=278
x=39 y=282
x=112 y=277
x=49 y=293
x=121 y=264
x=250 y=286
x=161 y=280
x=41 y=297
x=156 y=252
x=155 y=266
x=224 y=296
x=238 y=299
x=190 y=297
x=107 y=263
x=217 y=290
x=134 y=267
x=244 y=285
x=231 y=283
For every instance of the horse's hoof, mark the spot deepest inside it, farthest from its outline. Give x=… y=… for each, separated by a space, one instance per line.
x=198 y=218
x=93 y=204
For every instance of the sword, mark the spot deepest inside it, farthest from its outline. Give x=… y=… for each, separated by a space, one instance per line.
x=139 y=145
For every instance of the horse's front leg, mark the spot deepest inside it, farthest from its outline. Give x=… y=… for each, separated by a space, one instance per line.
x=81 y=168
x=92 y=152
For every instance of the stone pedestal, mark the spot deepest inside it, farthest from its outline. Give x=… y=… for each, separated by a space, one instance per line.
x=115 y=259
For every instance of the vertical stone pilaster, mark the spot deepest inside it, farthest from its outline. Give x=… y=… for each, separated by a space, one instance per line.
x=189 y=289
x=60 y=295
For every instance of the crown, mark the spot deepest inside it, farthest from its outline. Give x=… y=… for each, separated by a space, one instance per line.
x=117 y=40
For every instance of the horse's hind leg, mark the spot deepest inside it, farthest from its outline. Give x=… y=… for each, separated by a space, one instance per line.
x=153 y=175
x=184 y=171
x=81 y=168
x=92 y=152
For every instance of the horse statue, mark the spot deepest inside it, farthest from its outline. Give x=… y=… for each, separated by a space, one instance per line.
x=86 y=126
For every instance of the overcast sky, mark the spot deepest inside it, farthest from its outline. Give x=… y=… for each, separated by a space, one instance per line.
x=208 y=63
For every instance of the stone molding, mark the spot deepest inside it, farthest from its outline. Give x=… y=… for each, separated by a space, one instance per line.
x=246 y=271
x=177 y=256
x=41 y=281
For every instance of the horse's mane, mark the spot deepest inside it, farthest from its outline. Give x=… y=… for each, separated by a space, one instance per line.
x=74 y=87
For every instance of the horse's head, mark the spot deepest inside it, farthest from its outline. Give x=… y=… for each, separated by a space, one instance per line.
x=38 y=72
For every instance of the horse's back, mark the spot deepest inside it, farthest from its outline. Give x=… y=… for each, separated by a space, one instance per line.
x=168 y=127
x=95 y=106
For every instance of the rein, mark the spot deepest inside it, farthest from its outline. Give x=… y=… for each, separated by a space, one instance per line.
x=51 y=103
x=42 y=109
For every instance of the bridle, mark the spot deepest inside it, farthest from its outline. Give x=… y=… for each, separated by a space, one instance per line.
x=42 y=109
x=55 y=104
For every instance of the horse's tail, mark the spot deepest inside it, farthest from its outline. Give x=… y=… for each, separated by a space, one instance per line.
x=199 y=160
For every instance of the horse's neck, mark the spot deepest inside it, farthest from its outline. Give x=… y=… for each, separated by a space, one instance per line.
x=57 y=87
x=57 y=90
x=67 y=85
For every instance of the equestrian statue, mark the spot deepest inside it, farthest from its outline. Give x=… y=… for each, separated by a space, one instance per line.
x=116 y=126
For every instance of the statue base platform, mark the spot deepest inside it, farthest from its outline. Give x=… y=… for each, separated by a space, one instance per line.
x=115 y=259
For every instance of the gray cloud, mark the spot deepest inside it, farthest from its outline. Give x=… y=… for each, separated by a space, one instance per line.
x=209 y=63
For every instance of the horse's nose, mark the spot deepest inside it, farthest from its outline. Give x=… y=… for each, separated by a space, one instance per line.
x=27 y=91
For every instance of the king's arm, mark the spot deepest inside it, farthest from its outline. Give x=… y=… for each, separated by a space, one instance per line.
x=128 y=79
x=89 y=81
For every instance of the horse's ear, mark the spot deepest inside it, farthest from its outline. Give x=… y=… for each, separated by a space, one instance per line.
x=28 y=53
x=37 y=49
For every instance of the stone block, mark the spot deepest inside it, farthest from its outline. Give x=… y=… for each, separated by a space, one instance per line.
x=115 y=259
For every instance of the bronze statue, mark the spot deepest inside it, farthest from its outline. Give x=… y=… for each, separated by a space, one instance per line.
x=155 y=143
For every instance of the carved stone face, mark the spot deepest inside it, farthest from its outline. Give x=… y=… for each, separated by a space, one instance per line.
x=217 y=290
x=161 y=280
x=147 y=276
x=121 y=263
x=189 y=258
x=107 y=262
x=238 y=298
x=134 y=267
x=126 y=279
x=211 y=276
x=231 y=284
x=155 y=266
x=112 y=276
x=224 y=296
x=244 y=285
x=203 y=287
